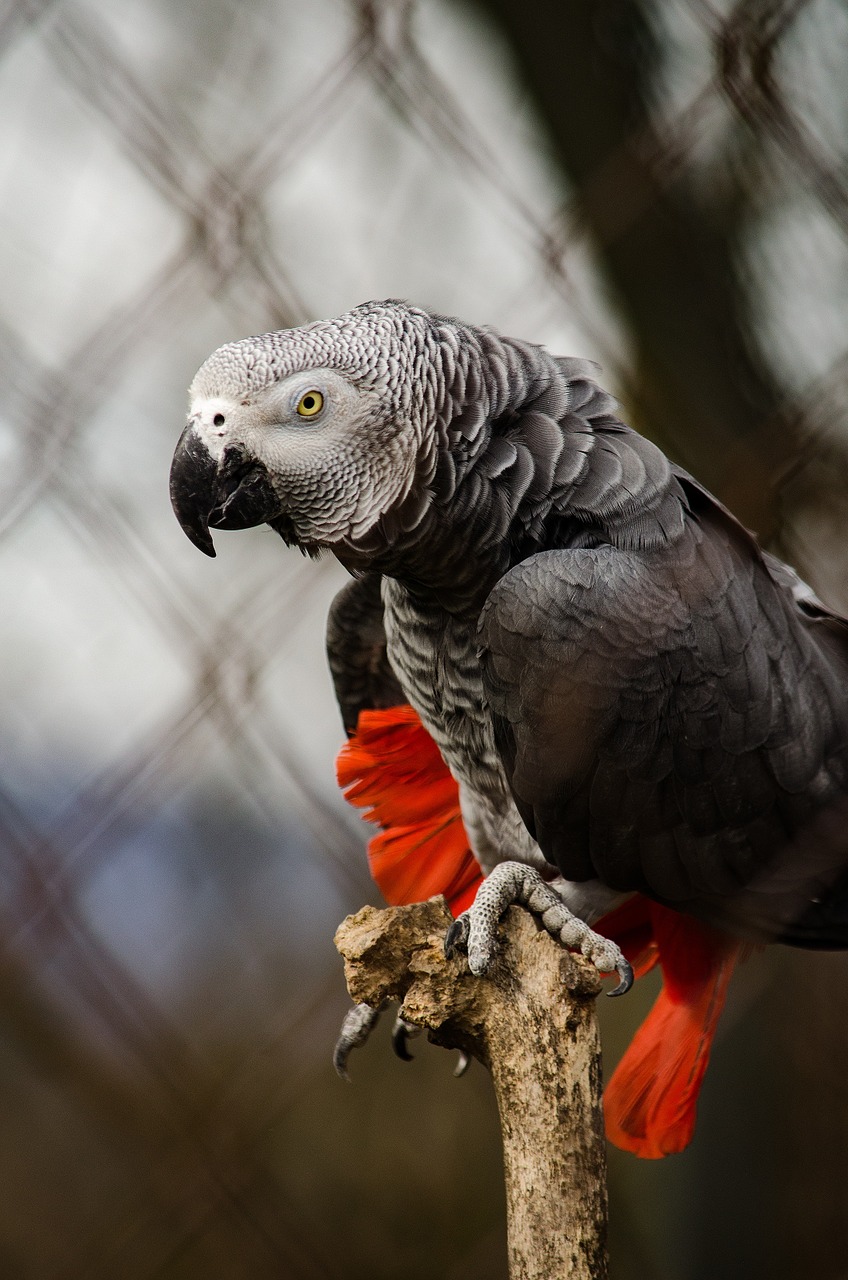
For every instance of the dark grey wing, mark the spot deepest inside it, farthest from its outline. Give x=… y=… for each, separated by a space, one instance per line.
x=356 y=649
x=673 y=722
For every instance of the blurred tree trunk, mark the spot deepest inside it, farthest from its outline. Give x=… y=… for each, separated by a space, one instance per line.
x=667 y=239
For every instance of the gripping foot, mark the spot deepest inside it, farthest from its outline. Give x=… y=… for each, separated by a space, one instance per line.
x=358 y=1024
x=513 y=883
x=402 y=1033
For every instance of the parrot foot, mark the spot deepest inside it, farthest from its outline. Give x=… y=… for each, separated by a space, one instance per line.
x=402 y=1033
x=513 y=883
x=357 y=1026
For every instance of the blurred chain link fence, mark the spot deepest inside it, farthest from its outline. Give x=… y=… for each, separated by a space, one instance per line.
x=174 y=855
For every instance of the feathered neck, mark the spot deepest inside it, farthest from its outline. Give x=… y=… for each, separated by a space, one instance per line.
x=521 y=452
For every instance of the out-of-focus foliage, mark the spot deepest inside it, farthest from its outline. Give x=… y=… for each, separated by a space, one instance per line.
x=660 y=186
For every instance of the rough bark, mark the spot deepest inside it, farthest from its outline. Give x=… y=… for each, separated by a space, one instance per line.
x=531 y=1021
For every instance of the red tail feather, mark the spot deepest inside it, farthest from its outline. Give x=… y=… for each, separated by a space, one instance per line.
x=650 y=1102
x=392 y=768
x=631 y=926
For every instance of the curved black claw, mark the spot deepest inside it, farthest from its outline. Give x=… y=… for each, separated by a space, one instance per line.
x=456 y=938
x=402 y=1032
x=625 y=973
x=463 y=1064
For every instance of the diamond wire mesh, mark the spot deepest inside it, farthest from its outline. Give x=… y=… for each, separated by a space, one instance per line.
x=174 y=857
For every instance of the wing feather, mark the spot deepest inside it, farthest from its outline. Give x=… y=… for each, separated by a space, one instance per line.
x=356 y=651
x=669 y=720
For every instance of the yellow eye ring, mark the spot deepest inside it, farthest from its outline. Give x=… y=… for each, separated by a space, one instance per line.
x=310 y=403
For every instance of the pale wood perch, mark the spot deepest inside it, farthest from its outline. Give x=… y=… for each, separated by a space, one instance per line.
x=532 y=1022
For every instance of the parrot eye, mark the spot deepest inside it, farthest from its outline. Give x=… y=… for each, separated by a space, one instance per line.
x=310 y=404
x=219 y=420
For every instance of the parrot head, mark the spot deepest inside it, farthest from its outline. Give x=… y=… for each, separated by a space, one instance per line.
x=316 y=431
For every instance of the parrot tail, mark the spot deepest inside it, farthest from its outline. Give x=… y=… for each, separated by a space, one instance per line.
x=392 y=769
x=650 y=1101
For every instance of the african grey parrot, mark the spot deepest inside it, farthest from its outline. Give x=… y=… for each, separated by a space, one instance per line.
x=632 y=697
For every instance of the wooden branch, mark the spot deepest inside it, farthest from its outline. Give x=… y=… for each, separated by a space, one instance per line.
x=532 y=1022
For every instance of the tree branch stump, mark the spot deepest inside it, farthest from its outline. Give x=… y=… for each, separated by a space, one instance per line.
x=531 y=1021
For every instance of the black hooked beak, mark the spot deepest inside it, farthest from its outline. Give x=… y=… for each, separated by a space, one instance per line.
x=235 y=493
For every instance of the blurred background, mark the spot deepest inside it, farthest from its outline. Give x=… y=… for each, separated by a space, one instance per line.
x=660 y=185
